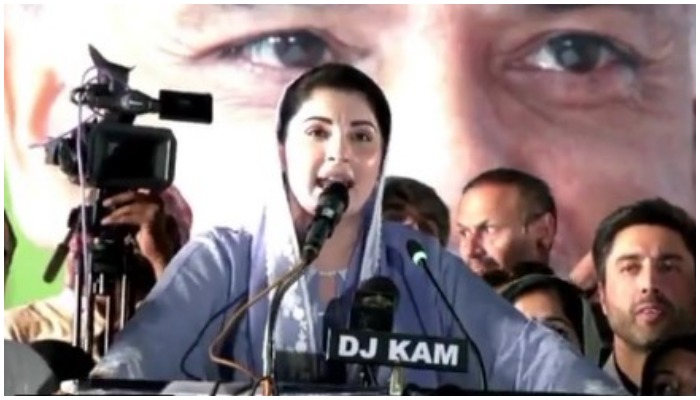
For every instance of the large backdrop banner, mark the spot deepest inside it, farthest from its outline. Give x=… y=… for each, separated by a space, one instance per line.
x=595 y=100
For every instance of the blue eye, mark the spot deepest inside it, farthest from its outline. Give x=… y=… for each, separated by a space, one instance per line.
x=294 y=49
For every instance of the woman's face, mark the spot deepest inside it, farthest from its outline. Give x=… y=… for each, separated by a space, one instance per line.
x=674 y=375
x=546 y=307
x=333 y=137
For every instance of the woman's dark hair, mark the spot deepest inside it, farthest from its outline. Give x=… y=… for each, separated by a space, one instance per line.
x=335 y=76
x=569 y=295
x=681 y=342
x=409 y=197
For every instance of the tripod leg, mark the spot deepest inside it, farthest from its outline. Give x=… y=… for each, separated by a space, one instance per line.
x=125 y=306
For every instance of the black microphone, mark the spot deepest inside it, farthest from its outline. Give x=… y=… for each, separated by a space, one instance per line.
x=56 y=261
x=332 y=202
x=331 y=205
x=373 y=310
x=374 y=305
x=62 y=250
x=420 y=258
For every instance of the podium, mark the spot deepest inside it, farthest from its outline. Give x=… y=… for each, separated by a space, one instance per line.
x=112 y=387
x=105 y=387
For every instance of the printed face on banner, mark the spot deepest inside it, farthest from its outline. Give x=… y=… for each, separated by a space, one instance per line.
x=595 y=100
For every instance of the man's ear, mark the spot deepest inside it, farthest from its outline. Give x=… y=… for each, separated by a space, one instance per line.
x=602 y=297
x=544 y=230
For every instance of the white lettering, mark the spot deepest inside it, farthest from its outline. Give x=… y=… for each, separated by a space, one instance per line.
x=446 y=354
x=397 y=350
x=422 y=353
x=371 y=351
x=348 y=346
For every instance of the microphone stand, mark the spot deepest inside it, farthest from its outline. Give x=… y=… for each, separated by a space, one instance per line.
x=333 y=201
x=369 y=379
x=268 y=363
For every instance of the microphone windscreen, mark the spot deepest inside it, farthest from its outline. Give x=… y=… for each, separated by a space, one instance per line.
x=416 y=252
x=335 y=192
x=374 y=304
x=56 y=262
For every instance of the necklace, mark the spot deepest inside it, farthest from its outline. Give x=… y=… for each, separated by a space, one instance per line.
x=327 y=274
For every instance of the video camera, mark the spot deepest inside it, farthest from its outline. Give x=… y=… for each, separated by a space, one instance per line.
x=112 y=156
x=118 y=154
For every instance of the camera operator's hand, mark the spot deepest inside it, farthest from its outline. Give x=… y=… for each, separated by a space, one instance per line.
x=156 y=238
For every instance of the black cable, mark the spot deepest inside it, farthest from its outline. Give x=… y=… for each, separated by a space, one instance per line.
x=419 y=257
x=216 y=315
x=215 y=389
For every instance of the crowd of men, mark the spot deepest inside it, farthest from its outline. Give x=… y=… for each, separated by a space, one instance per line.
x=644 y=255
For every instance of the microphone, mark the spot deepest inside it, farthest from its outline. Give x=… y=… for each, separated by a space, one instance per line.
x=62 y=250
x=369 y=341
x=373 y=310
x=374 y=305
x=56 y=261
x=420 y=258
x=331 y=205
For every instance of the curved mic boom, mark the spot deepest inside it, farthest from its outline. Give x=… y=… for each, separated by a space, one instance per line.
x=420 y=258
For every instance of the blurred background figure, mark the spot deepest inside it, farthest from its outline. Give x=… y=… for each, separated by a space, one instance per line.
x=163 y=224
x=416 y=204
x=670 y=368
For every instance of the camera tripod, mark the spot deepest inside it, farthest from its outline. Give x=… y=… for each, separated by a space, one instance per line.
x=102 y=281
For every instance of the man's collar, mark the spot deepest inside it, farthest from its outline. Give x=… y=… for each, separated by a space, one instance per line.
x=613 y=370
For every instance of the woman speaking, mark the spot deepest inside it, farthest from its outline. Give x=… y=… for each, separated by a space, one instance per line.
x=206 y=317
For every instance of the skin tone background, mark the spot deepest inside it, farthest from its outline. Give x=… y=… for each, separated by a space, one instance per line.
x=472 y=87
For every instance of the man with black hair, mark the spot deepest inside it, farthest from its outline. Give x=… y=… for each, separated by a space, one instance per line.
x=645 y=257
x=505 y=216
x=416 y=204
